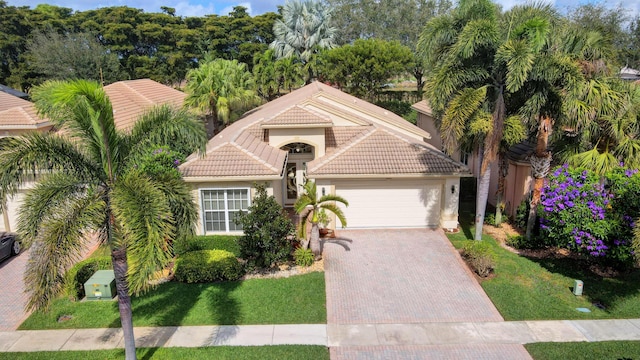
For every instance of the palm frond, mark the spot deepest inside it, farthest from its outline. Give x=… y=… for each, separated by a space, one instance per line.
x=58 y=245
x=518 y=56
x=595 y=160
x=146 y=223
x=336 y=210
x=459 y=112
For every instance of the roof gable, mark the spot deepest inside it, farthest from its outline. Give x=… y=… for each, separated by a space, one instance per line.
x=17 y=113
x=297 y=116
x=132 y=98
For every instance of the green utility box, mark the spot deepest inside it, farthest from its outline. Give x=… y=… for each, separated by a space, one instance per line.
x=101 y=286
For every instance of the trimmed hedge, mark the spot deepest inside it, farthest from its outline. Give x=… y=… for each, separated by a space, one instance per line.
x=209 y=242
x=79 y=273
x=480 y=256
x=207 y=266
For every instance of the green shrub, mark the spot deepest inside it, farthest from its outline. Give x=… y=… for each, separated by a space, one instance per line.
x=490 y=219
x=266 y=231
x=521 y=242
x=79 y=273
x=303 y=257
x=207 y=242
x=480 y=256
x=207 y=266
x=522 y=213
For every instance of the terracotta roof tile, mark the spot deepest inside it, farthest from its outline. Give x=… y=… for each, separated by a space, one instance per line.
x=382 y=152
x=228 y=160
x=297 y=116
x=132 y=98
x=423 y=107
x=18 y=113
x=338 y=136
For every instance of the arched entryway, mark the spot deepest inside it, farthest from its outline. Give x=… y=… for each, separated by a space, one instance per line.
x=296 y=171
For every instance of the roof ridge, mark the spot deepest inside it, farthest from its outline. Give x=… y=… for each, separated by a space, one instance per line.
x=136 y=91
x=360 y=137
x=253 y=156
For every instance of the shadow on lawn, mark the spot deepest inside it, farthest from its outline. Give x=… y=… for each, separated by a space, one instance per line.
x=597 y=289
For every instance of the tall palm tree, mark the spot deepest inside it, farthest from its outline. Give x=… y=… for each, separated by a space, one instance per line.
x=289 y=73
x=264 y=73
x=88 y=182
x=304 y=29
x=224 y=89
x=309 y=206
x=479 y=53
x=566 y=90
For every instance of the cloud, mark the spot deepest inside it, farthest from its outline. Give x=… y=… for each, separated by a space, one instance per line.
x=184 y=8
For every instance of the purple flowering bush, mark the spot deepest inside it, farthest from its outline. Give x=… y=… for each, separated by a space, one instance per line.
x=589 y=215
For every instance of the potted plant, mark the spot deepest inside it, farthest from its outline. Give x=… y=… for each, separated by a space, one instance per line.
x=323 y=222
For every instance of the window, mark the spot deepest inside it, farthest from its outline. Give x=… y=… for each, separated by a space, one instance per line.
x=220 y=207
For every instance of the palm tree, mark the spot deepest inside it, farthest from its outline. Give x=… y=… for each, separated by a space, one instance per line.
x=289 y=73
x=304 y=29
x=476 y=58
x=567 y=90
x=264 y=73
x=309 y=206
x=224 y=89
x=88 y=182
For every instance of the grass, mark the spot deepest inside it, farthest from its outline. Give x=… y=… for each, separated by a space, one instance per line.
x=208 y=242
x=584 y=350
x=295 y=300
x=541 y=289
x=284 y=352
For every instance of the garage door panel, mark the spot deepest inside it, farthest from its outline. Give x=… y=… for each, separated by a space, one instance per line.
x=391 y=204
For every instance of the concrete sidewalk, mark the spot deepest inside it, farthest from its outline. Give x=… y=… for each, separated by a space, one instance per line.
x=475 y=335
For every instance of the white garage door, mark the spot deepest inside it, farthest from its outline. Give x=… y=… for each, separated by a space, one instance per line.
x=391 y=203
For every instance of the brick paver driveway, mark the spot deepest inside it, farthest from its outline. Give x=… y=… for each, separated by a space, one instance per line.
x=12 y=296
x=400 y=276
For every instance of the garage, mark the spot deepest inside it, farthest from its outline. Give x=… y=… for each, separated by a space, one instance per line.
x=391 y=203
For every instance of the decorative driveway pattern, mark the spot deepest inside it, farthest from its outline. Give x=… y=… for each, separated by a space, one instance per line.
x=384 y=284
x=12 y=296
x=400 y=276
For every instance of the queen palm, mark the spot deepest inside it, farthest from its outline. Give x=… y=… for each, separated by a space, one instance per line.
x=309 y=206
x=223 y=89
x=88 y=182
x=476 y=57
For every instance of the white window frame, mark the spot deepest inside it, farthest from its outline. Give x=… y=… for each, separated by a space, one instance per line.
x=226 y=209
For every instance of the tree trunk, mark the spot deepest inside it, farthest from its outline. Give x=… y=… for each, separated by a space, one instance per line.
x=315 y=241
x=120 y=267
x=481 y=199
x=502 y=174
x=540 y=164
x=418 y=74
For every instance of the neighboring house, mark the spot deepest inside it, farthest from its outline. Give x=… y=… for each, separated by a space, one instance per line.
x=129 y=100
x=375 y=159
x=17 y=116
x=518 y=179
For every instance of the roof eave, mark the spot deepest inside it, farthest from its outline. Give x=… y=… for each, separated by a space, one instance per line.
x=199 y=179
x=388 y=176
x=297 y=126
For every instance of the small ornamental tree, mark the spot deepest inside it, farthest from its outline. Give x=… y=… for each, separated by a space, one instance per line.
x=266 y=231
x=591 y=215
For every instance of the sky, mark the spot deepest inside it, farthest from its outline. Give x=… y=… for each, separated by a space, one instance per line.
x=257 y=7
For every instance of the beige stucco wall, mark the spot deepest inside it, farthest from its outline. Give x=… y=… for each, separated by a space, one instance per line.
x=450 y=201
x=426 y=122
x=313 y=136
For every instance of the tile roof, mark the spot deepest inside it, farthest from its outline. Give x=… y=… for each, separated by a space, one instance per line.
x=385 y=152
x=131 y=98
x=297 y=116
x=17 y=113
x=423 y=107
x=366 y=140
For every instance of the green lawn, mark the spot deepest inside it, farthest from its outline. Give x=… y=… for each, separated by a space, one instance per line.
x=621 y=350
x=537 y=289
x=284 y=352
x=295 y=300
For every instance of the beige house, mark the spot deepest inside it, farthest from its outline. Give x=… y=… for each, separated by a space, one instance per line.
x=129 y=100
x=375 y=159
x=518 y=179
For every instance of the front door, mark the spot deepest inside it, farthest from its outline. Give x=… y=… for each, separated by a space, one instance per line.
x=294 y=179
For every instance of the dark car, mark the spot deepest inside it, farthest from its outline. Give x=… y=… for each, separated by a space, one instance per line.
x=9 y=245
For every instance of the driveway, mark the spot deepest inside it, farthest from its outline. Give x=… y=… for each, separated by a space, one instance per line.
x=404 y=276
x=12 y=296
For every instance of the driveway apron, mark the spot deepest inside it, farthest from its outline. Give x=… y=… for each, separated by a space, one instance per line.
x=404 y=276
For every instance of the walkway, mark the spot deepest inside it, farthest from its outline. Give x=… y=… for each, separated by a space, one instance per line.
x=491 y=340
x=385 y=277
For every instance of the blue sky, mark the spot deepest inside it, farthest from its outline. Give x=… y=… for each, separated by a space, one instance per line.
x=256 y=7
